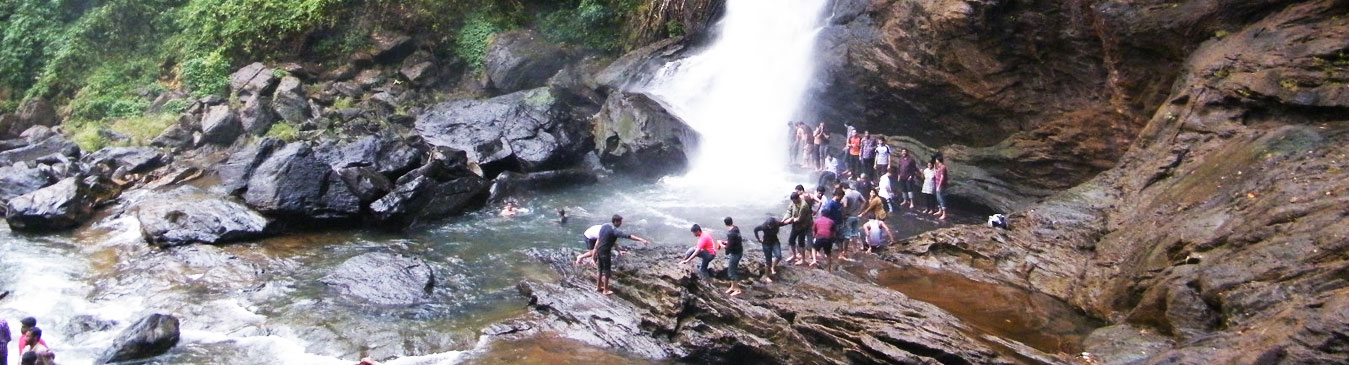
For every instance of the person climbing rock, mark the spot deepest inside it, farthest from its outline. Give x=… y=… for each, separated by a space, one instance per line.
x=799 y=216
x=877 y=234
x=705 y=249
x=603 y=251
x=767 y=236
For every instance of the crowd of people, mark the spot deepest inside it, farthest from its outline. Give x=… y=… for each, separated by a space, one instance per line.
x=845 y=214
x=32 y=349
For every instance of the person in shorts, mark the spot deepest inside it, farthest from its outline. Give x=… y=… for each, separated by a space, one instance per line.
x=604 y=248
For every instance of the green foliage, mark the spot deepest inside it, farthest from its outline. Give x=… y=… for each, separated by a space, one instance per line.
x=470 y=43
x=674 y=28
x=206 y=75
x=29 y=29
x=343 y=103
x=284 y=131
x=245 y=26
x=110 y=92
x=176 y=106
x=591 y=23
x=89 y=137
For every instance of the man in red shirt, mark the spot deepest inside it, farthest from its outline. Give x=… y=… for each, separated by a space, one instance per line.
x=705 y=250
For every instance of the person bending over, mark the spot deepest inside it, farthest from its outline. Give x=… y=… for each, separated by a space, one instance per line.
x=604 y=250
x=705 y=249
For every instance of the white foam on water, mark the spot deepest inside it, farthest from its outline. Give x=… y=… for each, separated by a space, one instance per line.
x=740 y=94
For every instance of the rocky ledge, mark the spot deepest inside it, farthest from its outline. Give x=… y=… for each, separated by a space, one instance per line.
x=662 y=310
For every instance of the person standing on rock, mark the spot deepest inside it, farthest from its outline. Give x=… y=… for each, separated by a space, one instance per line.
x=26 y=325
x=32 y=342
x=823 y=230
x=853 y=203
x=821 y=146
x=808 y=149
x=832 y=209
x=885 y=189
x=604 y=248
x=799 y=216
x=868 y=155
x=907 y=178
x=705 y=249
x=794 y=133
x=735 y=249
x=929 y=188
x=939 y=185
x=4 y=341
x=855 y=154
x=767 y=236
x=882 y=155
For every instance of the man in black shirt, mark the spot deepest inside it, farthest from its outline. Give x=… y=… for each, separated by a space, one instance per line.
x=771 y=246
x=604 y=248
x=735 y=249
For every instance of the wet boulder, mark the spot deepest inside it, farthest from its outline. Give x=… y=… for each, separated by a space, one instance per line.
x=63 y=205
x=387 y=155
x=525 y=131
x=149 y=337
x=252 y=81
x=513 y=183
x=220 y=126
x=635 y=134
x=390 y=46
x=382 y=279
x=188 y=215
x=236 y=170
x=176 y=136
x=424 y=198
x=293 y=182
x=19 y=179
x=365 y=183
x=40 y=148
x=638 y=66
x=256 y=117
x=85 y=323
x=289 y=102
x=521 y=59
x=136 y=160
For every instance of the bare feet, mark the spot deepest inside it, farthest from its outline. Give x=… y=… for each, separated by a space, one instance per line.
x=768 y=280
x=734 y=293
x=608 y=292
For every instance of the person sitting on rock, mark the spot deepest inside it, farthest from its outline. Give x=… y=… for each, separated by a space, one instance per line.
x=705 y=249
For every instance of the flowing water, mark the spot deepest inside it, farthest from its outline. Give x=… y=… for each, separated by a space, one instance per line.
x=262 y=302
x=741 y=92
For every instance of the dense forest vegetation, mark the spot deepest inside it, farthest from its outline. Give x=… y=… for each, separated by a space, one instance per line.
x=101 y=62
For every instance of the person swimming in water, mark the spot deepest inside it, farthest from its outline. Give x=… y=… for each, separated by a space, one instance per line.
x=510 y=210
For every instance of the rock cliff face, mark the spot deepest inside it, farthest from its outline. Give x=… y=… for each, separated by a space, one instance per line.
x=1192 y=155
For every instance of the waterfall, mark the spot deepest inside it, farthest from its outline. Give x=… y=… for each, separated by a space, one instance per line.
x=742 y=90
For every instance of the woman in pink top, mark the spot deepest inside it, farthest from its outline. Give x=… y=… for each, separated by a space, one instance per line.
x=706 y=250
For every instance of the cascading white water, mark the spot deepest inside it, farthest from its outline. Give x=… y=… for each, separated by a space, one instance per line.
x=741 y=91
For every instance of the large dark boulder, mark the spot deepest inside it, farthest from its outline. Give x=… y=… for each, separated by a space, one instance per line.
x=513 y=183
x=385 y=154
x=40 y=148
x=34 y=112
x=19 y=179
x=382 y=279
x=66 y=204
x=256 y=117
x=149 y=337
x=635 y=134
x=293 y=182
x=521 y=59
x=236 y=170
x=391 y=46
x=289 y=101
x=424 y=198
x=136 y=160
x=636 y=68
x=252 y=81
x=526 y=131
x=190 y=215
x=220 y=126
x=176 y=136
